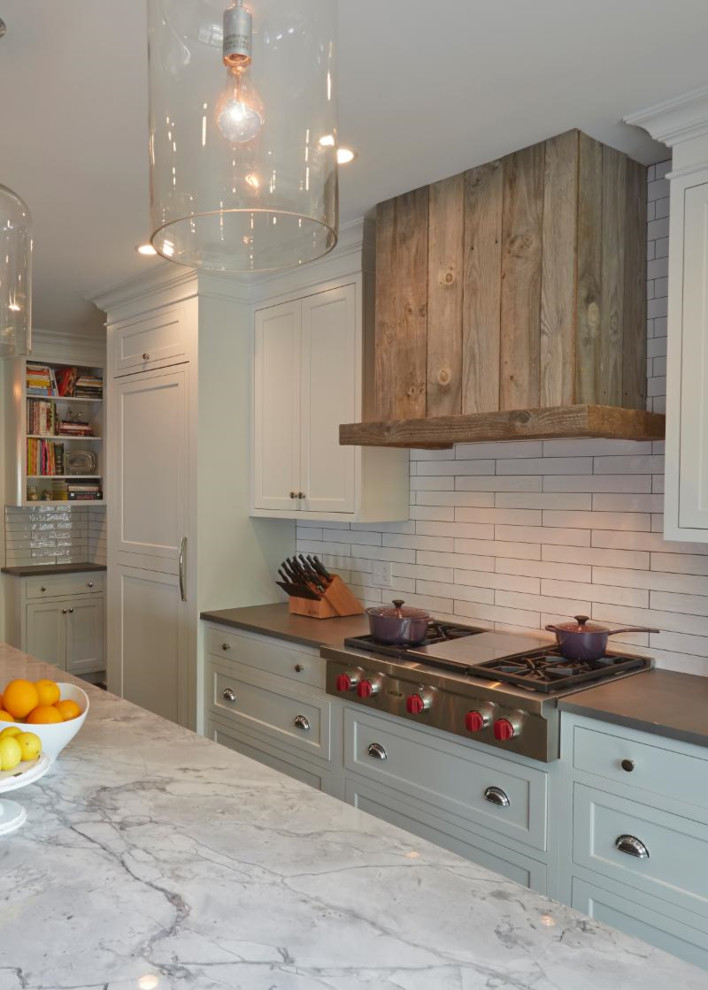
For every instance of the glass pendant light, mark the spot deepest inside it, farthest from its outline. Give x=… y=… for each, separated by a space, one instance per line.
x=243 y=132
x=15 y=275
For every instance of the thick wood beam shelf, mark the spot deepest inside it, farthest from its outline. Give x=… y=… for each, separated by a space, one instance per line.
x=556 y=422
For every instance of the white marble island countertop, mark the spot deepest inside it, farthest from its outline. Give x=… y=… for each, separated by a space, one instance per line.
x=154 y=859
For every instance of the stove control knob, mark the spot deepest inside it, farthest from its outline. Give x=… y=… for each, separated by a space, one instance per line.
x=505 y=729
x=369 y=686
x=477 y=720
x=347 y=682
x=419 y=702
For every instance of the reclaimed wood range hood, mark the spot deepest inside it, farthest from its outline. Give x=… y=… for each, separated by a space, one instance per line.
x=511 y=303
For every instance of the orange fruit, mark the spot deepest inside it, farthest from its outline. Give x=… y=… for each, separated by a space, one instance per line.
x=5 y=716
x=67 y=709
x=43 y=714
x=48 y=692
x=20 y=697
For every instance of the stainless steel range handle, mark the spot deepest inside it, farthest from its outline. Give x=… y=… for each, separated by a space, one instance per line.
x=495 y=795
x=183 y=568
x=377 y=752
x=632 y=846
x=300 y=722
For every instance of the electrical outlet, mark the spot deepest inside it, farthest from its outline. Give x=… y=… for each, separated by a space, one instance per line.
x=381 y=574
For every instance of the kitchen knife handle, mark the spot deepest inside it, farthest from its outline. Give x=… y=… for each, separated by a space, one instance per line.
x=183 y=568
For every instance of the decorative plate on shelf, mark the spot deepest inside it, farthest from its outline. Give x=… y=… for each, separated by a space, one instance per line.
x=80 y=462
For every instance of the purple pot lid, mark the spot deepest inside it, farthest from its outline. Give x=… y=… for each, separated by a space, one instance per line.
x=396 y=610
x=581 y=625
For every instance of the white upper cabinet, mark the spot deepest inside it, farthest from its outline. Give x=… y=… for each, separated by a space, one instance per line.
x=682 y=123
x=308 y=379
x=151 y=340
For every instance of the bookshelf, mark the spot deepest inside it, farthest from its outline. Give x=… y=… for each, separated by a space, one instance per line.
x=59 y=450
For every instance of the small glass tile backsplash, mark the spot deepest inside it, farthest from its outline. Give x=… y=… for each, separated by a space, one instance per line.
x=54 y=534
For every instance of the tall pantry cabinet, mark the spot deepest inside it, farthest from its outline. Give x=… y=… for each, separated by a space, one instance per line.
x=179 y=536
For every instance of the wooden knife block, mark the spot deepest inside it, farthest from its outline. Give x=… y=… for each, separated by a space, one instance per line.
x=337 y=600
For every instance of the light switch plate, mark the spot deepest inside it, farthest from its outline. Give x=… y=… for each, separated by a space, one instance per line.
x=381 y=574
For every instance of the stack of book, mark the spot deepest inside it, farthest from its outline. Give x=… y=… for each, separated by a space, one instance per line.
x=60 y=492
x=69 y=428
x=40 y=380
x=84 y=490
x=44 y=457
x=40 y=417
x=88 y=387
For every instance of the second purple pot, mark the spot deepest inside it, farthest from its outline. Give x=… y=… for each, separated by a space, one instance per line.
x=585 y=640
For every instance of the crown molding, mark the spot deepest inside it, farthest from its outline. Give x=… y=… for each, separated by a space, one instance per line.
x=50 y=345
x=163 y=278
x=682 y=124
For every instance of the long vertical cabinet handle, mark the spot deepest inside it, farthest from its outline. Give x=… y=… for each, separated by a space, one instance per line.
x=183 y=568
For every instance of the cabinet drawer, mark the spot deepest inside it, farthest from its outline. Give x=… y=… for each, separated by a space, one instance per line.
x=60 y=586
x=155 y=340
x=275 y=657
x=641 y=921
x=391 y=807
x=676 y=868
x=291 y=718
x=283 y=762
x=451 y=778
x=675 y=775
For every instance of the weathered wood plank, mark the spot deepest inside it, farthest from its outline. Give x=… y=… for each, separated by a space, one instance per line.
x=401 y=298
x=559 y=270
x=525 y=424
x=481 y=317
x=385 y=337
x=522 y=225
x=614 y=178
x=634 y=323
x=445 y=282
x=587 y=354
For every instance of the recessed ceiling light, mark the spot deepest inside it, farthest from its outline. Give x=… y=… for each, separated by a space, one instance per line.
x=145 y=249
x=345 y=155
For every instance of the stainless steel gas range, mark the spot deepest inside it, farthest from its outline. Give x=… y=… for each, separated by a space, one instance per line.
x=501 y=689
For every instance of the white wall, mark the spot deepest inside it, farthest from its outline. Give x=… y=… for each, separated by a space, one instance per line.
x=516 y=535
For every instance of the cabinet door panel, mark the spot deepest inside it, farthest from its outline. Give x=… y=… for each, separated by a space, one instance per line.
x=151 y=449
x=44 y=631
x=153 y=340
x=330 y=372
x=148 y=641
x=84 y=636
x=276 y=455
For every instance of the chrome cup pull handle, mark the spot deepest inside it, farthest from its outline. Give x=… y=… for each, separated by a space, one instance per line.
x=377 y=752
x=632 y=846
x=300 y=722
x=495 y=795
x=228 y=694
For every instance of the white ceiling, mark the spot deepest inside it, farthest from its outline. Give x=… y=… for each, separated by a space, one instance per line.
x=426 y=89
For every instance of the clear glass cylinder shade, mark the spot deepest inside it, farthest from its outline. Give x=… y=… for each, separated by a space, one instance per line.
x=263 y=196
x=15 y=274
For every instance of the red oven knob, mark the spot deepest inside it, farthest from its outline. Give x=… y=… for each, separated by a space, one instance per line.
x=348 y=681
x=504 y=729
x=475 y=721
x=369 y=686
x=419 y=702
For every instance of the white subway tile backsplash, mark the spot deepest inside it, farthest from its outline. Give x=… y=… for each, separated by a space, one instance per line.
x=516 y=535
x=54 y=534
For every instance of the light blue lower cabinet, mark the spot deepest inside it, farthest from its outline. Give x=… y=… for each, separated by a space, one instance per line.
x=392 y=807
x=677 y=936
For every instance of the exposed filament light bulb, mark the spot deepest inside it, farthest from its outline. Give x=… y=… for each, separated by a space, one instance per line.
x=239 y=109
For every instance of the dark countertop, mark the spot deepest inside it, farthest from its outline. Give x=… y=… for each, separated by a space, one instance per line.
x=32 y=570
x=663 y=702
x=275 y=620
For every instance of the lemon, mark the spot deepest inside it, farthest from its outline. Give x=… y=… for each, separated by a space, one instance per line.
x=11 y=730
x=30 y=744
x=10 y=753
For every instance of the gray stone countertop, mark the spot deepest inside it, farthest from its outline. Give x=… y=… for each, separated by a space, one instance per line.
x=154 y=858
x=32 y=570
x=276 y=620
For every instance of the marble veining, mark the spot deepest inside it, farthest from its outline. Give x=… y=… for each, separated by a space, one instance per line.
x=154 y=859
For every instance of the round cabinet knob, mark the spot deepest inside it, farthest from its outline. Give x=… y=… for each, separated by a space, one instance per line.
x=64 y=611
x=225 y=646
x=89 y=584
x=42 y=588
x=628 y=765
x=504 y=729
x=293 y=494
x=369 y=686
x=228 y=694
x=71 y=611
x=347 y=682
x=475 y=721
x=298 y=668
x=146 y=356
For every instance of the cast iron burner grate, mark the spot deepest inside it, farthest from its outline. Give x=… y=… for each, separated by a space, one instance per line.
x=438 y=632
x=547 y=671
